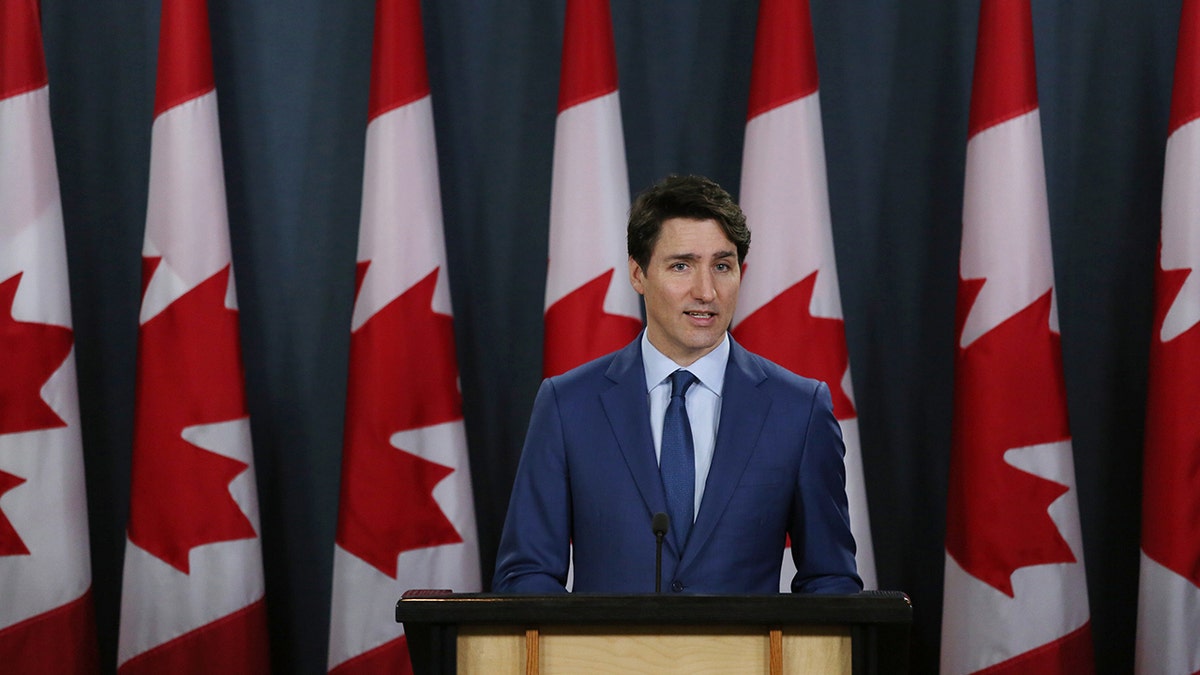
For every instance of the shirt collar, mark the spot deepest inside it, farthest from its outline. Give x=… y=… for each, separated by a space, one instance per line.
x=709 y=369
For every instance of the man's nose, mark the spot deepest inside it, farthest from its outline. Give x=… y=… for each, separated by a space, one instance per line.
x=703 y=286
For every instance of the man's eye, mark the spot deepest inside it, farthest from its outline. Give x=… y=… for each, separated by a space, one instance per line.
x=679 y=267
x=723 y=267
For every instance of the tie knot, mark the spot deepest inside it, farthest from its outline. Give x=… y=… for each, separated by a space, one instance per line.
x=680 y=381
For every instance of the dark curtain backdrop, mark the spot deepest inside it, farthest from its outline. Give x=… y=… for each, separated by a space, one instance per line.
x=895 y=85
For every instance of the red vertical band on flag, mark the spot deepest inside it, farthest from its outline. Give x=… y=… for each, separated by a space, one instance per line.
x=1071 y=653
x=391 y=658
x=1185 y=96
x=232 y=645
x=22 y=66
x=589 y=63
x=1005 y=81
x=398 y=74
x=185 y=68
x=785 y=68
x=59 y=641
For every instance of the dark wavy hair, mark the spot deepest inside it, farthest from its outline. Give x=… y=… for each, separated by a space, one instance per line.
x=692 y=197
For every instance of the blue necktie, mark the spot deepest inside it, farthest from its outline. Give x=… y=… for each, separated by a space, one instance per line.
x=677 y=459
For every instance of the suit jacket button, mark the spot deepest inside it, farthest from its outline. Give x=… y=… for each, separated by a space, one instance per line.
x=677 y=586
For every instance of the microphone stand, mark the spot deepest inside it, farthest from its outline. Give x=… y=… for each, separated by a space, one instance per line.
x=658 y=536
x=659 y=523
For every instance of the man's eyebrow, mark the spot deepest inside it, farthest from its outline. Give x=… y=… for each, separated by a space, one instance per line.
x=695 y=256
x=683 y=256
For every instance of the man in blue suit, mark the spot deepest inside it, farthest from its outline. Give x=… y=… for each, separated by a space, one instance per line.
x=758 y=448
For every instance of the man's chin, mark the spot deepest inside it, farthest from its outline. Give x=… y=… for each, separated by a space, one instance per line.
x=703 y=342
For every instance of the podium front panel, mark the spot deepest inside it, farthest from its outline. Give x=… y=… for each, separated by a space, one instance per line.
x=864 y=634
x=690 y=650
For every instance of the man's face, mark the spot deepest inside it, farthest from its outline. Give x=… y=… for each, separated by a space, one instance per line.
x=690 y=286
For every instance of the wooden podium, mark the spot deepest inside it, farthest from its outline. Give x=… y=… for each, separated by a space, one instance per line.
x=579 y=634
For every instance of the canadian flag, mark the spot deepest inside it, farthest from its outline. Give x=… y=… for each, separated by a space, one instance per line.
x=1168 y=634
x=406 y=518
x=790 y=309
x=590 y=307
x=46 y=616
x=1015 y=591
x=192 y=597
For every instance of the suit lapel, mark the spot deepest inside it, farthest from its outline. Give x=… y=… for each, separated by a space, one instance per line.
x=628 y=412
x=743 y=409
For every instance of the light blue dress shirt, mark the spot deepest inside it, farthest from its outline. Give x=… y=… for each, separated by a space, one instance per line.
x=703 y=402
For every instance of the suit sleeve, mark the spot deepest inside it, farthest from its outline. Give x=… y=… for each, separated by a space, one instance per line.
x=535 y=545
x=822 y=543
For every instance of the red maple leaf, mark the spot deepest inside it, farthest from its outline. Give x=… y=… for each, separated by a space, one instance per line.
x=403 y=376
x=579 y=330
x=785 y=331
x=1009 y=393
x=1171 y=511
x=189 y=374
x=10 y=541
x=31 y=352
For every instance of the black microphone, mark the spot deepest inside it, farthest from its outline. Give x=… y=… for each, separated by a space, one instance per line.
x=659 y=523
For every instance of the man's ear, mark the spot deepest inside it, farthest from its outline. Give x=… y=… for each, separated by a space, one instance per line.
x=636 y=277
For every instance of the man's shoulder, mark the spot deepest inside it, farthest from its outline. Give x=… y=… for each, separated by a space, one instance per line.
x=774 y=376
x=588 y=372
x=599 y=372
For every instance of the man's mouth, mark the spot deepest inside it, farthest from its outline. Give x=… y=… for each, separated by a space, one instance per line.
x=701 y=315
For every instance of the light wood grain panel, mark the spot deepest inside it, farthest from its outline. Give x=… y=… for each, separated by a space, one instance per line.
x=494 y=650
x=816 y=650
x=591 y=650
x=698 y=651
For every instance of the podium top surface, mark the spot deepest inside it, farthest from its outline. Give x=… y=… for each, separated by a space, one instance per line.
x=871 y=607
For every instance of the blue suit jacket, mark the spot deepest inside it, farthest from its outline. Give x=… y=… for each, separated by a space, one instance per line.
x=588 y=476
